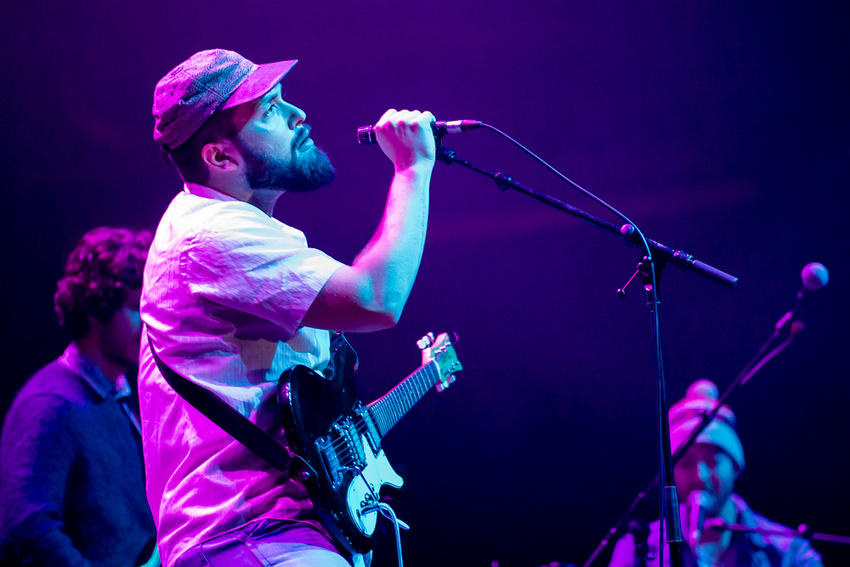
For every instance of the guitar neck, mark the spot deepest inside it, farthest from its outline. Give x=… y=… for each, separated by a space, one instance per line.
x=390 y=408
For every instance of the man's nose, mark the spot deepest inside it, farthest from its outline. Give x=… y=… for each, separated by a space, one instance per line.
x=704 y=474
x=296 y=116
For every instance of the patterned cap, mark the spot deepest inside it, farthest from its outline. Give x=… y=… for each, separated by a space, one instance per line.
x=686 y=415
x=208 y=81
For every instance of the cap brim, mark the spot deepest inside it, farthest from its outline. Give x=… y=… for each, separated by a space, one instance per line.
x=259 y=82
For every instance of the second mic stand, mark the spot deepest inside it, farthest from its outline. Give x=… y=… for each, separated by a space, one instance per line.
x=650 y=274
x=789 y=322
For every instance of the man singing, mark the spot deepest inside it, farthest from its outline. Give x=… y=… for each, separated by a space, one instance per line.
x=705 y=480
x=232 y=297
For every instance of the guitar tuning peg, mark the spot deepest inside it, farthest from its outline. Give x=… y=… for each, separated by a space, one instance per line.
x=425 y=341
x=445 y=382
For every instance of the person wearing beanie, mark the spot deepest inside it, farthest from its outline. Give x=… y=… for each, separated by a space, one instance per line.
x=232 y=298
x=72 y=488
x=705 y=481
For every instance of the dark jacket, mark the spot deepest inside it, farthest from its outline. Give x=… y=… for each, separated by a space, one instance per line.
x=72 y=486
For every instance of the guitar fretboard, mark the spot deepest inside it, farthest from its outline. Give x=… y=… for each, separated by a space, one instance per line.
x=390 y=408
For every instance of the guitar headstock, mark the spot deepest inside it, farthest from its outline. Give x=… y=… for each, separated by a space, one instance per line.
x=440 y=351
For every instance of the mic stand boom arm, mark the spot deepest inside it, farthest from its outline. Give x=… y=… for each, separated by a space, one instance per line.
x=678 y=258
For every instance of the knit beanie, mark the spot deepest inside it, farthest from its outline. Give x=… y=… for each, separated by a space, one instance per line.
x=687 y=413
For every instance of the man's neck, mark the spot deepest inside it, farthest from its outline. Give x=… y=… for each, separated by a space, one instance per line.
x=263 y=199
x=89 y=346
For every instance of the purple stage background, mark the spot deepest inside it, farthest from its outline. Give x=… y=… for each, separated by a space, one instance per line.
x=720 y=128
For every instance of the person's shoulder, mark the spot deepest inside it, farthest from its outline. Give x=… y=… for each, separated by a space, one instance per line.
x=750 y=517
x=53 y=382
x=202 y=205
x=220 y=218
x=623 y=554
x=624 y=551
x=240 y=226
x=52 y=394
x=194 y=222
x=792 y=544
x=53 y=378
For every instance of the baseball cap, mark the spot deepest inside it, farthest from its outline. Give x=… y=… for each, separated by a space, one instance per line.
x=208 y=81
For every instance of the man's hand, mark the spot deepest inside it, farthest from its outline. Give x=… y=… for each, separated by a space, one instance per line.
x=406 y=137
x=370 y=294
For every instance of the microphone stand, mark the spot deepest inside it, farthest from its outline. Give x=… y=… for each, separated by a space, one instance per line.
x=790 y=322
x=649 y=273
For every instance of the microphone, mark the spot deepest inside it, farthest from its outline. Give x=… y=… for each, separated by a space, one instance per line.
x=814 y=276
x=698 y=501
x=366 y=134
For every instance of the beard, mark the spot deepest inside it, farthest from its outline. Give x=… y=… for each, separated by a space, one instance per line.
x=306 y=170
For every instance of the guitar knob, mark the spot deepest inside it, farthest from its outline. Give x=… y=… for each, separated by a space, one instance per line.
x=305 y=476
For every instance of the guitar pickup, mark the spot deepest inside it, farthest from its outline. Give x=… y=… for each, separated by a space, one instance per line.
x=370 y=428
x=330 y=461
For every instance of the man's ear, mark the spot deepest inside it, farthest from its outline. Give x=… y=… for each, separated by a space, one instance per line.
x=221 y=155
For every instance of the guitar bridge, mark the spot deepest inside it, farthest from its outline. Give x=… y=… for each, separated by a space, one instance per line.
x=341 y=451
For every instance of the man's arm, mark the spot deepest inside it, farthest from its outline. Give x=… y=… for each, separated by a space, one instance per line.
x=370 y=294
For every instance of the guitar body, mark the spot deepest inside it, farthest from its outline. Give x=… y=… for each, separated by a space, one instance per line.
x=327 y=427
x=336 y=440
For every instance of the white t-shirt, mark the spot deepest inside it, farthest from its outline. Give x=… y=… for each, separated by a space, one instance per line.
x=225 y=290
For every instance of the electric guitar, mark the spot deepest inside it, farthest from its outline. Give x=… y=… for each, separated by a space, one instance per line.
x=336 y=439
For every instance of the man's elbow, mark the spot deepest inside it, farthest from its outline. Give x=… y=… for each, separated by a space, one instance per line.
x=385 y=317
x=353 y=300
x=383 y=304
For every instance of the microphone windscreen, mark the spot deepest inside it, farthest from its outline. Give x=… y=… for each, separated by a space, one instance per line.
x=814 y=276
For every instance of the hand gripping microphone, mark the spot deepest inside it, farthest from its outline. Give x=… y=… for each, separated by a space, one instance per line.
x=366 y=134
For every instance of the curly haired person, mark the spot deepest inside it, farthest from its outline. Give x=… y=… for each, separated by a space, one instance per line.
x=71 y=474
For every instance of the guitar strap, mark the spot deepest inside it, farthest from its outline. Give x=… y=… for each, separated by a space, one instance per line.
x=222 y=414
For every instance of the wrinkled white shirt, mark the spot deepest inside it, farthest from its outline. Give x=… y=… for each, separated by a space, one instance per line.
x=225 y=290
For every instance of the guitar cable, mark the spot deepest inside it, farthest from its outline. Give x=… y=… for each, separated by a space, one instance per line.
x=389 y=513
x=386 y=511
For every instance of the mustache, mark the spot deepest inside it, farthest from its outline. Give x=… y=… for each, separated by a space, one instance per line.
x=301 y=135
